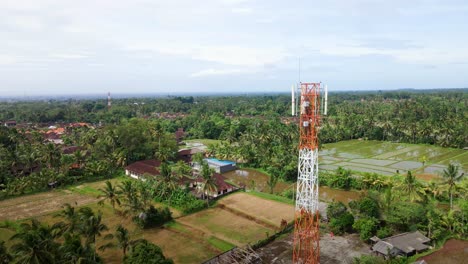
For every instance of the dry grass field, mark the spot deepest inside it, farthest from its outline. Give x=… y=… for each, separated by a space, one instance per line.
x=40 y=204
x=227 y=226
x=189 y=239
x=265 y=210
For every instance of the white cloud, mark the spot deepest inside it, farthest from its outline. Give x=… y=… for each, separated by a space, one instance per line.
x=415 y=53
x=6 y=59
x=29 y=23
x=242 y=10
x=70 y=55
x=228 y=55
x=211 y=72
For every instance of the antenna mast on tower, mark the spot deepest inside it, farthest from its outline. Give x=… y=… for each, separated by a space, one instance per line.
x=306 y=248
x=108 y=101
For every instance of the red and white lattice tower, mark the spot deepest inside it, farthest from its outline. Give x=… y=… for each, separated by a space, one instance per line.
x=306 y=227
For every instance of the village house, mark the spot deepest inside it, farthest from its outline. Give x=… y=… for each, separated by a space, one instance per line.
x=406 y=244
x=150 y=168
x=221 y=166
x=10 y=123
x=140 y=168
x=222 y=187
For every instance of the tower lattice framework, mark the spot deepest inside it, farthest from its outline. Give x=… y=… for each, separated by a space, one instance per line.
x=306 y=227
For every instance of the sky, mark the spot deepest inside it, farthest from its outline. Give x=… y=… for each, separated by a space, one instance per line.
x=228 y=46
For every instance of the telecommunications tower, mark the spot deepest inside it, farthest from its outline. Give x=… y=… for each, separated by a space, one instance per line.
x=306 y=248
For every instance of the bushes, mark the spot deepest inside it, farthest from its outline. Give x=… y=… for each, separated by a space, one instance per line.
x=182 y=199
x=366 y=227
x=340 y=179
x=341 y=220
x=145 y=252
x=342 y=224
x=366 y=207
x=153 y=217
x=384 y=232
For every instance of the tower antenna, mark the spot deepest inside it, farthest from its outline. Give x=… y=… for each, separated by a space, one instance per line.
x=109 y=102
x=306 y=248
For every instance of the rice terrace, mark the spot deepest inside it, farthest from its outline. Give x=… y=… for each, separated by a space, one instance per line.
x=386 y=158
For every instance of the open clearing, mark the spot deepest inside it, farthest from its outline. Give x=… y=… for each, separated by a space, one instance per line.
x=339 y=249
x=239 y=219
x=227 y=226
x=387 y=158
x=264 y=210
x=39 y=204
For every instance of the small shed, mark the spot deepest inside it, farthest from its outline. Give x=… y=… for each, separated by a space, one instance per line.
x=405 y=244
x=221 y=166
x=385 y=249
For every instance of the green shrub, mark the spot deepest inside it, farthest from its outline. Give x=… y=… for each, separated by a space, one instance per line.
x=336 y=209
x=153 y=217
x=366 y=227
x=342 y=224
x=145 y=252
x=384 y=232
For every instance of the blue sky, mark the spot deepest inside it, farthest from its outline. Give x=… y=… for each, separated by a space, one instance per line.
x=92 y=46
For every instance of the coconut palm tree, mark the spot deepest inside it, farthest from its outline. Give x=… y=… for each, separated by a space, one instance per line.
x=130 y=196
x=452 y=176
x=91 y=226
x=209 y=183
x=5 y=257
x=110 y=194
x=411 y=187
x=71 y=219
x=73 y=251
x=167 y=176
x=123 y=238
x=35 y=244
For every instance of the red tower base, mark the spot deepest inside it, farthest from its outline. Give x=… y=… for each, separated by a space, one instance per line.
x=306 y=248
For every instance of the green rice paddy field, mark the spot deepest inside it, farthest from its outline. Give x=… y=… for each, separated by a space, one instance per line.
x=388 y=158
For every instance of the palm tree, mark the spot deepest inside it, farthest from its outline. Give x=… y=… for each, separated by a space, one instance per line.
x=72 y=250
x=51 y=155
x=5 y=257
x=433 y=189
x=168 y=177
x=71 y=218
x=411 y=187
x=36 y=244
x=111 y=194
x=80 y=157
x=91 y=226
x=452 y=176
x=130 y=196
x=209 y=183
x=123 y=238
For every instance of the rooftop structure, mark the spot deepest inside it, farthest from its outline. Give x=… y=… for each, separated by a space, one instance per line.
x=405 y=244
x=137 y=169
x=10 y=123
x=221 y=166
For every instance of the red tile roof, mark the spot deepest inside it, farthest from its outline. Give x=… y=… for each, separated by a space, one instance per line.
x=145 y=167
x=220 y=183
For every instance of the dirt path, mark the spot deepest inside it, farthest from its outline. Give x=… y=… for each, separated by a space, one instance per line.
x=40 y=204
x=340 y=249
